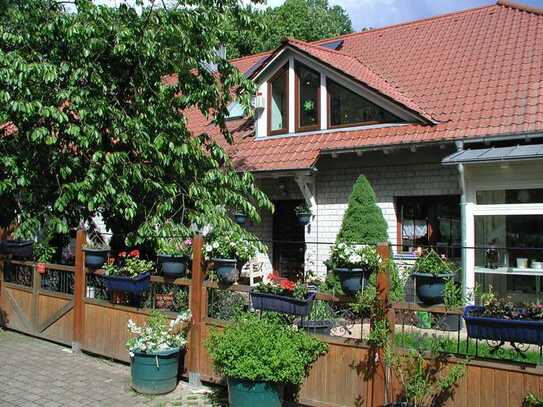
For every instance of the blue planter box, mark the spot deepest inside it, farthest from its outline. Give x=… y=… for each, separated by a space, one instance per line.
x=506 y=330
x=135 y=285
x=282 y=303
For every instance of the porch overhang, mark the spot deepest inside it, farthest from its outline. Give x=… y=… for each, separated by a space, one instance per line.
x=495 y=155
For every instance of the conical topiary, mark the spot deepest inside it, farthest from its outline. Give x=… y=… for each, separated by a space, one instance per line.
x=363 y=222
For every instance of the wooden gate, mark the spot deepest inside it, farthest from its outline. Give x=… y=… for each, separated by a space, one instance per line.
x=37 y=307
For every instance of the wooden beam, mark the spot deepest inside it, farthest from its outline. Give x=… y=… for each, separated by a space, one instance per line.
x=197 y=296
x=56 y=316
x=79 y=291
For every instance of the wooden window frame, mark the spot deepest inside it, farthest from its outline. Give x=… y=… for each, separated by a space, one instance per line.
x=282 y=71
x=342 y=126
x=399 y=219
x=297 y=106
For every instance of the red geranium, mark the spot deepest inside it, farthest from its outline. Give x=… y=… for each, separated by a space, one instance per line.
x=134 y=253
x=122 y=254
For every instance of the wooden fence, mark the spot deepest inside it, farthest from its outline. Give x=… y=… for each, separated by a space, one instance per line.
x=337 y=379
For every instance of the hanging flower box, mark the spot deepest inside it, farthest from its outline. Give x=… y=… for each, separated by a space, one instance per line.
x=128 y=273
x=135 y=285
x=500 y=329
x=282 y=295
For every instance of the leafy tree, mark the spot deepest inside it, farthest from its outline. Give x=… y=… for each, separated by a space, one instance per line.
x=99 y=129
x=306 y=20
x=363 y=221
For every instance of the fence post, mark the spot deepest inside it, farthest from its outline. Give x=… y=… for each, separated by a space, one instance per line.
x=79 y=291
x=196 y=308
x=379 y=382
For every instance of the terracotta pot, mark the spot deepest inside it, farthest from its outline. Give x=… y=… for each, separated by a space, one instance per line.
x=164 y=301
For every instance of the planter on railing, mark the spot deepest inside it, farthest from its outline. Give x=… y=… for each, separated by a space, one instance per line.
x=352 y=280
x=319 y=327
x=430 y=287
x=95 y=258
x=226 y=270
x=282 y=303
x=135 y=285
x=155 y=373
x=502 y=330
x=173 y=266
x=17 y=248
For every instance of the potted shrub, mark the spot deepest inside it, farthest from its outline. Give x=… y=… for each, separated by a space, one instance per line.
x=320 y=320
x=504 y=321
x=154 y=352
x=304 y=213
x=353 y=265
x=282 y=295
x=173 y=256
x=258 y=357
x=228 y=249
x=128 y=273
x=96 y=254
x=425 y=379
x=453 y=297
x=431 y=272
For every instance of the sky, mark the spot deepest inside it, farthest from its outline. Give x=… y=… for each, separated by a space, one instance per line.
x=380 y=13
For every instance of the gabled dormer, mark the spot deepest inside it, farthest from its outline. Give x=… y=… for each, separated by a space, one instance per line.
x=305 y=88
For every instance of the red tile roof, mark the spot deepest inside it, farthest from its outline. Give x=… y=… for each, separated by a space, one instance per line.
x=478 y=72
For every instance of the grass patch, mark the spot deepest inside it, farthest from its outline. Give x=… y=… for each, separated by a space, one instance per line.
x=449 y=345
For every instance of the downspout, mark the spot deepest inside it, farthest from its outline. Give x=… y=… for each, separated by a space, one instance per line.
x=464 y=240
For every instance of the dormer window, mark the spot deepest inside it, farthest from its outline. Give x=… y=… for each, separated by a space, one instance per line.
x=278 y=101
x=307 y=98
x=346 y=108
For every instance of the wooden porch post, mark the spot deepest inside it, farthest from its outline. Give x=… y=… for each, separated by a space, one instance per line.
x=79 y=291
x=197 y=298
x=379 y=385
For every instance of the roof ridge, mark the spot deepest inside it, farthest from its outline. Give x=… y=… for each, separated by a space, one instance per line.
x=251 y=55
x=520 y=6
x=406 y=23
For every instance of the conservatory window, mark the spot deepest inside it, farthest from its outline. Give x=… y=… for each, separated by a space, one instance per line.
x=307 y=98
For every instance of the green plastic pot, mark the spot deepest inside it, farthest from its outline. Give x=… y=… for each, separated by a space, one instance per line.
x=243 y=393
x=155 y=373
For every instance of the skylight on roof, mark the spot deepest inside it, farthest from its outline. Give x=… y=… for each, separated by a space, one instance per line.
x=335 y=45
x=235 y=111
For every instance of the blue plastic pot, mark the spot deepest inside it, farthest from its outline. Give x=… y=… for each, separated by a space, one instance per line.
x=240 y=218
x=282 y=303
x=506 y=330
x=155 y=373
x=430 y=287
x=17 y=248
x=352 y=280
x=173 y=266
x=135 y=285
x=304 y=218
x=318 y=327
x=95 y=258
x=242 y=393
x=226 y=270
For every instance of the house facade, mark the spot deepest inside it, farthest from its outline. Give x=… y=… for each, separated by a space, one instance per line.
x=444 y=116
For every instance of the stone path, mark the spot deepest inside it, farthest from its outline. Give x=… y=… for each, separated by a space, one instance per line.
x=37 y=373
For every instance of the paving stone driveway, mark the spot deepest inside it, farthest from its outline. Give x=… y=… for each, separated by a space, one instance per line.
x=36 y=373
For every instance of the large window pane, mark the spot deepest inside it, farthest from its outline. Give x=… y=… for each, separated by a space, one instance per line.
x=346 y=107
x=508 y=258
x=308 y=97
x=510 y=196
x=279 y=102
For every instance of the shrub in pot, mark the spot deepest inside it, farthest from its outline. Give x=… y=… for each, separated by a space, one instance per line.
x=96 y=254
x=282 y=295
x=154 y=352
x=258 y=357
x=431 y=272
x=173 y=256
x=353 y=265
x=128 y=273
x=303 y=213
x=363 y=225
